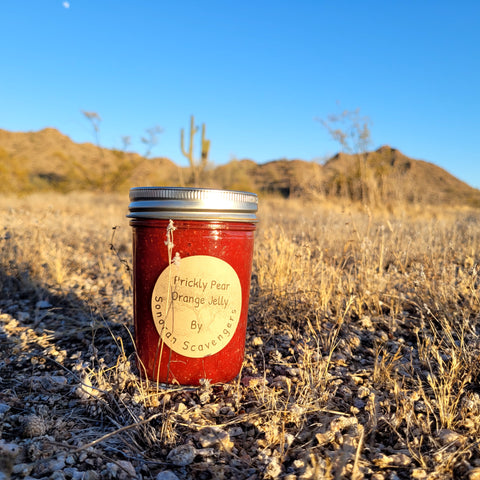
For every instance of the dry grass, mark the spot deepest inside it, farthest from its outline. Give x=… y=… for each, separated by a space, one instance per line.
x=362 y=356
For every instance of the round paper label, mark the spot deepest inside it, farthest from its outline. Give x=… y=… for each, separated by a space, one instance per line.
x=196 y=305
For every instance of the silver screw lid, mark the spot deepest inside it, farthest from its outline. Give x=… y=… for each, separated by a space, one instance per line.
x=185 y=203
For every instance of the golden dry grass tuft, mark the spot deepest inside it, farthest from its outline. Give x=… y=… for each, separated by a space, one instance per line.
x=362 y=352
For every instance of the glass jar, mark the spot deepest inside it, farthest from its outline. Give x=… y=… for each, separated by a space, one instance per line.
x=192 y=262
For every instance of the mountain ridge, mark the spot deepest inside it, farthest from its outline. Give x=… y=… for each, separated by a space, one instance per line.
x=48 y=159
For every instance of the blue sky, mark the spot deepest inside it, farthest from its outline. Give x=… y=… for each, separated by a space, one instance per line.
x=258 y=73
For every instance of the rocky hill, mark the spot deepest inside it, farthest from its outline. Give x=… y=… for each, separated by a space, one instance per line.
x=47 y=159
x=387 y=174
x=384 y=175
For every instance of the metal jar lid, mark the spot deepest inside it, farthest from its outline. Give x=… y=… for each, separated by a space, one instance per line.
x=192 y=204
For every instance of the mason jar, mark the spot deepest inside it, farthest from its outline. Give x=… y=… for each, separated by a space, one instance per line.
x=192 y=263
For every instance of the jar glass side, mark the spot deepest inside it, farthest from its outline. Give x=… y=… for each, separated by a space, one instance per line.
x=231 y=242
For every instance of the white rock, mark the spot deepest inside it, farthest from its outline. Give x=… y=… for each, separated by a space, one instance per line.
x=23 y=316
x=397 y=460
x=57 y=475
x=419 y=474
x=274 y=469
x=8 y=453
x=182 y=455
x=449 y=437
x=166 y=475
x=23 y=469
x=210 y=436
x=127 y=467
x=89 y=475
x=42 y=304
x=57 y=464
x=74 y=474
x=235 y=431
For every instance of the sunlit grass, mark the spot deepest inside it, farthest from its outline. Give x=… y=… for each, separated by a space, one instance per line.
x=362 y=348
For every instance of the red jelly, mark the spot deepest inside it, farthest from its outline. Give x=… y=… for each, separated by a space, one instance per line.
x=192 y=262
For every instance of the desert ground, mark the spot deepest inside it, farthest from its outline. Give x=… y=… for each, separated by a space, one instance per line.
x=362 y=351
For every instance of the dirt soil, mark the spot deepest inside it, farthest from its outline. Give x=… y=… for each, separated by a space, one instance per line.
x=340 y=389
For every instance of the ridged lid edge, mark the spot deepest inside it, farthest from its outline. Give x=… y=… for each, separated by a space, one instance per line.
x=207 y=197
x=162 y=202
x=192 y=194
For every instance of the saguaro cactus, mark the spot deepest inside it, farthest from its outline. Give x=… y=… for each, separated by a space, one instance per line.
x=196 y=167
